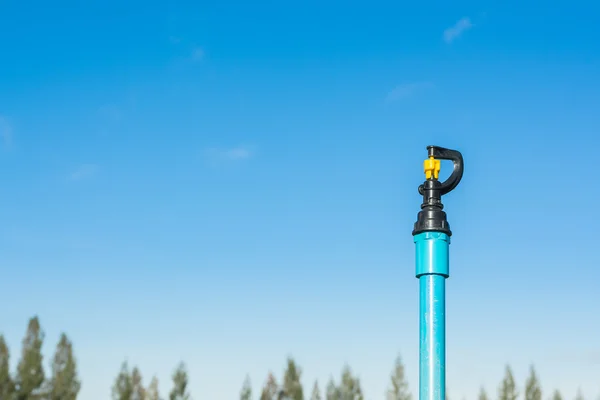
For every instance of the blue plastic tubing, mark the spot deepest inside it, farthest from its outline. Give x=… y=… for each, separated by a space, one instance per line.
x=432 y=269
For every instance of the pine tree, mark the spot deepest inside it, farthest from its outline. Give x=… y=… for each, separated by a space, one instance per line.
x=30 y=370
x=7 y=386
x=332 y=392
x=533 y=391
x=508 y=389
x=152 y=393
x=482 y=394
x=291 y=381
x=316 y=392
x=123 y=387
x=269 y=391
x=64 y=384
x=246 y=392
x=180 y=384
x=556 y=395
x=399 y=386
x=349 y=388
x=138 y=390
x=579 y=395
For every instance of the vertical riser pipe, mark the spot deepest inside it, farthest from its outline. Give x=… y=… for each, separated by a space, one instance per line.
x=432 y=269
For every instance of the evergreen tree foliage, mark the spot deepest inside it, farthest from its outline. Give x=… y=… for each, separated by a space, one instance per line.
x=7 y=386
x=123 y=386
x=64 y=383
x=508 y=388
x=291 y=381
x=482 y=394
x=533 y=391
x=349 y=388
x=399 y=386
x=29 y=383
x=30 y=370
x=271 y=389
x=153 y=392
x=246 y=392
x=138 y=390
x=332 y=392
x=316 y=392
x=180 y=384
x=556 y=395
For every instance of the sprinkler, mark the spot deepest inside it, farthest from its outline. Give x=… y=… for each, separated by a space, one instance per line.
x=431 y=235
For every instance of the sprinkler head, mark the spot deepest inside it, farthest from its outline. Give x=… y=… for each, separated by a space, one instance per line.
x=432 y=218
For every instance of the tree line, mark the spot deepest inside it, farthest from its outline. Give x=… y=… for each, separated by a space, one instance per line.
x=31 y=383
x=349 y=387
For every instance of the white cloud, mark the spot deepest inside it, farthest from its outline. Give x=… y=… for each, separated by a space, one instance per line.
x=6 y=132
x=238 y=153
x=193 y=53
x=457 y=29
x=197 y=54
x=110 y=112
x=233 y=154
x=407 y=89
x=83 y=171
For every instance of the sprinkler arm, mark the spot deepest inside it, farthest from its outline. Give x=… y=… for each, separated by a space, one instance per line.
x=442 y=153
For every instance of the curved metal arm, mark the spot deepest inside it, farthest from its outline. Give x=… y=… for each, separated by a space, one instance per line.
x=442 y=153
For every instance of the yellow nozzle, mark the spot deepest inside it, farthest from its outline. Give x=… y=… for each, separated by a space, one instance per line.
x=432 y=168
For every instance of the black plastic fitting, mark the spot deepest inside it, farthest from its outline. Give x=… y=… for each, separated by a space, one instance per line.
x=432 y=218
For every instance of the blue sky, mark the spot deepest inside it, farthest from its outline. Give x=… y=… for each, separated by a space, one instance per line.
x=229 y=183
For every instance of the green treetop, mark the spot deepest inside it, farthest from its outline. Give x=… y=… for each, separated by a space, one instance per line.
x=508 y=388
x=533 y=391
x=398 y=386
x=30 y=370
x=64 y=383
x=180 y=384
x=291 y=381
x=246 y=392
x=7 y=386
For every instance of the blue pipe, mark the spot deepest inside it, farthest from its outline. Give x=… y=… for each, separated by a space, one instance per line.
x=432 y=239
x=432 y=269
